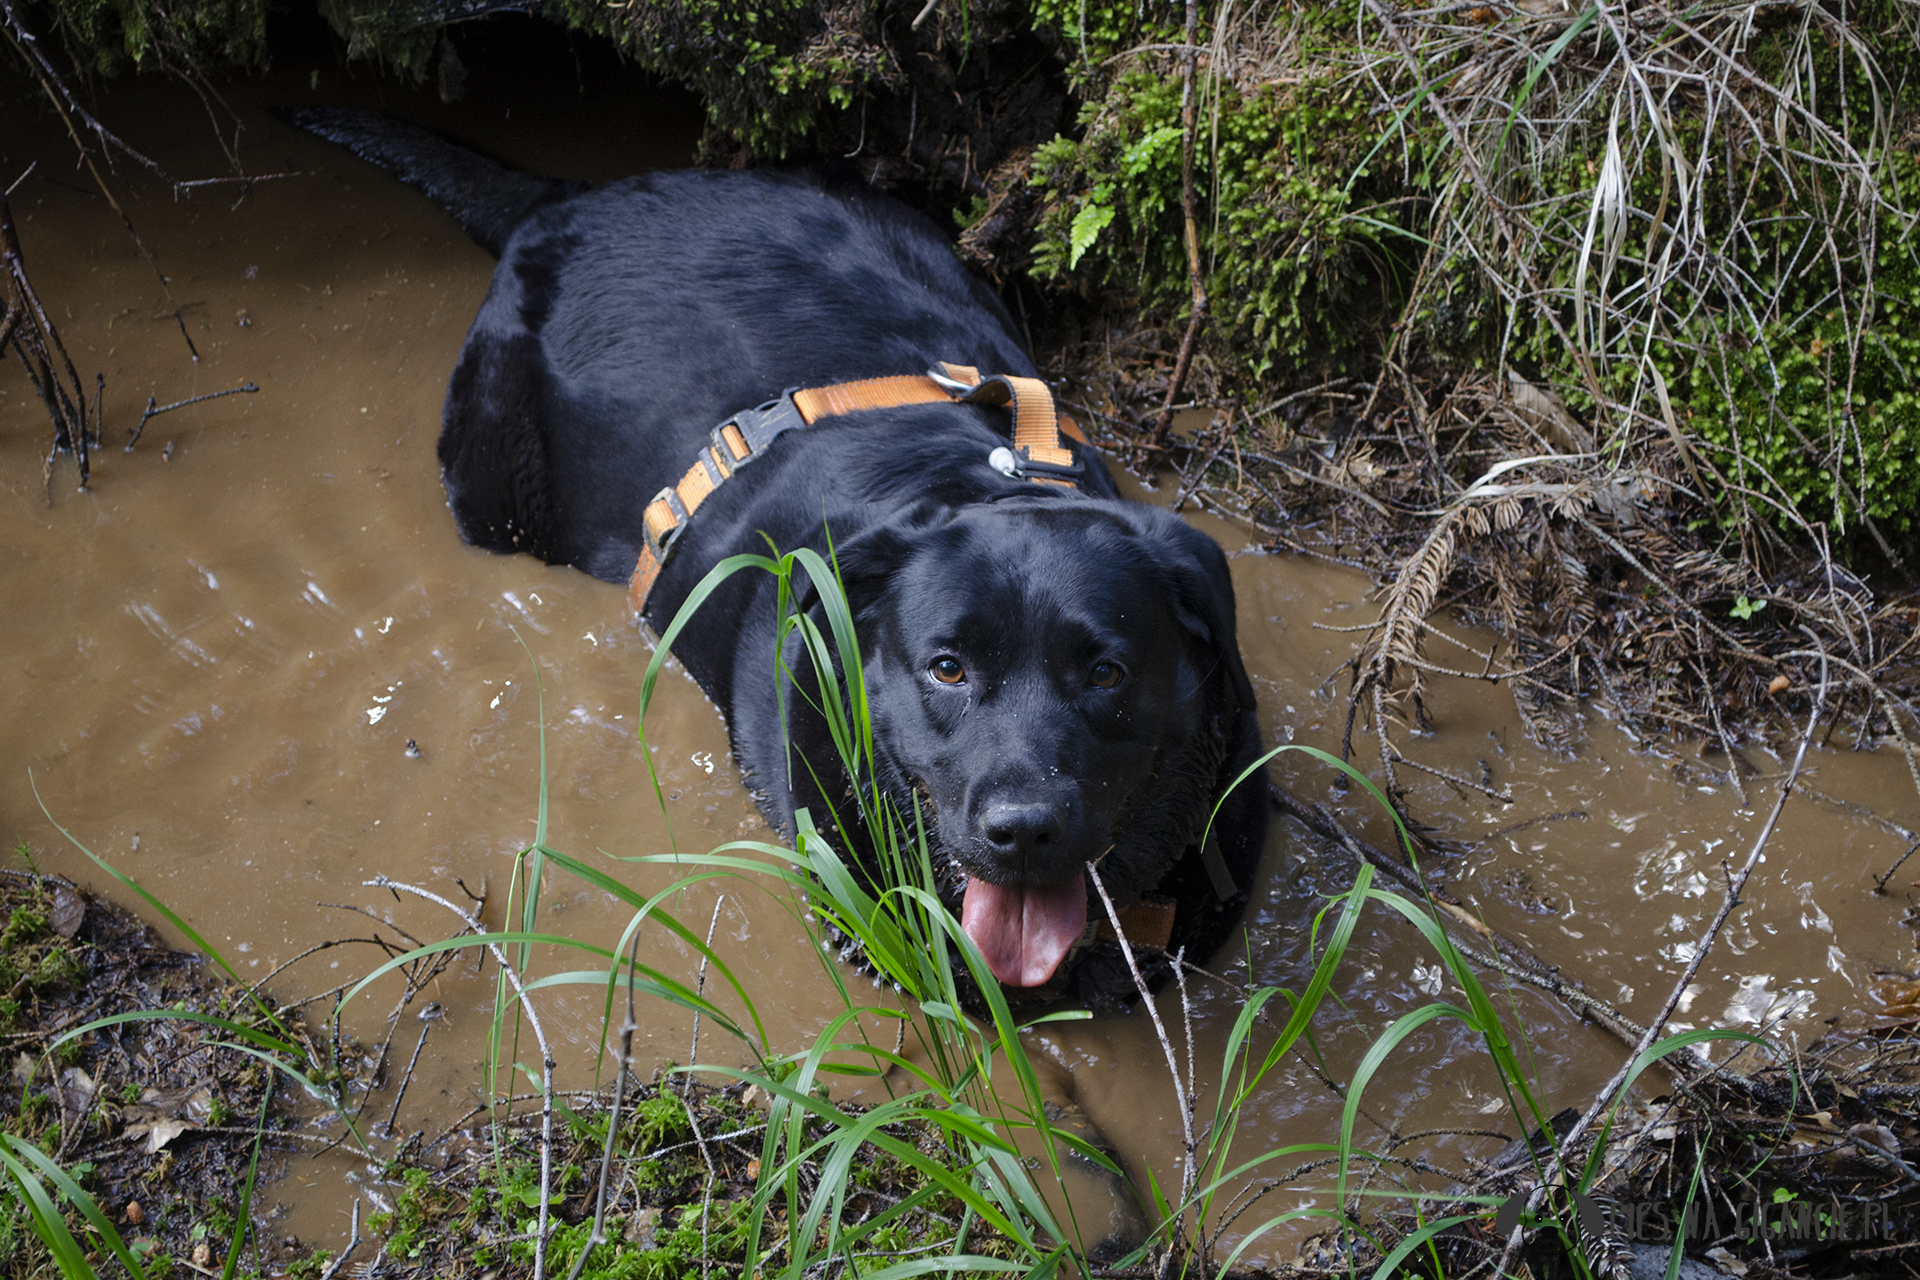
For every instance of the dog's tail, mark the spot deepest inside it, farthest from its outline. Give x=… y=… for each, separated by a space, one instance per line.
x=485 y=197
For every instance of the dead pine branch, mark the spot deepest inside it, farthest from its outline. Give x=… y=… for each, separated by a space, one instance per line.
x=1189 y=208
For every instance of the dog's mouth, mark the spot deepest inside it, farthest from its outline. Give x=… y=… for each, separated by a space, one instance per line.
x=1024 y=931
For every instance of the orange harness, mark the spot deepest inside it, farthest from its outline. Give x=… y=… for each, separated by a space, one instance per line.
x=1037 y=453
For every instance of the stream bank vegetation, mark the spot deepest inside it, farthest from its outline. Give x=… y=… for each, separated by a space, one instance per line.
x=1773 y=1159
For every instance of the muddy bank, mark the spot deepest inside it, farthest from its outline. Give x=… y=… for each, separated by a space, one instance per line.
x=158 y=1118
x=1792 y=1168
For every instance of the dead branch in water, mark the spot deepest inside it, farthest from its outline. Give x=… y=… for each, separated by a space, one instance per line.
x=28 y=331
x=1736 y=884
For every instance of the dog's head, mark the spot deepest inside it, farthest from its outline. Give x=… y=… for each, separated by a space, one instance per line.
x=1055 y=678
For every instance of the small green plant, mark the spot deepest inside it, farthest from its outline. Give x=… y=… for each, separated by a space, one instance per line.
x=419 y=1207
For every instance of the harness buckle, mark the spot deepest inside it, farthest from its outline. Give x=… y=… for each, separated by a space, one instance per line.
x=660 y=541
x=955 y=387
x=758 y=426
x=1028 y=468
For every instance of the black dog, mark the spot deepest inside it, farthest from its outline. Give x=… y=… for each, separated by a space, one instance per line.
x=1053 y=672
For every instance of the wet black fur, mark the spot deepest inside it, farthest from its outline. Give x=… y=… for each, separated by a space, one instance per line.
x=626 y=321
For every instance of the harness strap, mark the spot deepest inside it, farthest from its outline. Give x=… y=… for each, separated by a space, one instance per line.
x=1038 y=454
x=1148 y=923
x=1216 y=864
x=1149 y=920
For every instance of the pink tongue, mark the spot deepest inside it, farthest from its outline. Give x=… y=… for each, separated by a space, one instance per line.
x=1024 y=932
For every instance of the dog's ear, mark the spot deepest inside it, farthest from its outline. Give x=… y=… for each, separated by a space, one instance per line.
x=863 y=564
x=1201 y=591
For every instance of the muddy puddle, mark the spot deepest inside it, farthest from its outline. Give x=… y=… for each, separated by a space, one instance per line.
x=254 y=667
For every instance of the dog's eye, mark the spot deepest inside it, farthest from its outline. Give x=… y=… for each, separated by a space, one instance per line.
x=1104 y=675
x=947 y=671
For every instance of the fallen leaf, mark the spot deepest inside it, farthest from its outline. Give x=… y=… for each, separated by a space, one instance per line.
x=76 y=1089
x=1728 y=1264
x=160 y=1133
x=640 y=1227
x=69 y=909
x=164 y=1114
x=1877 y=1135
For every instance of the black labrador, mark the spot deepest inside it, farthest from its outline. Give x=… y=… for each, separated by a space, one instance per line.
x=1052 y=670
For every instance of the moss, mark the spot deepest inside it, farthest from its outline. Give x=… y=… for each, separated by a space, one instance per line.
x=1300 y=270
x=657 y=1121
x=1318 y=207
x=769 y=71
x=33 y=958
x=1766 y=376
x=419 y=1206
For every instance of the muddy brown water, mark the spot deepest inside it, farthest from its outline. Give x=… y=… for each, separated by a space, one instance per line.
x=217 y=656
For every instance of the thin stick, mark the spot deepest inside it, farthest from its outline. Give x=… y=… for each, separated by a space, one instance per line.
x=1880 y=882
x=1166 y=1047
x=1732 y=899
x=426 y=1025
x=333 y=1268
x=713 y=1176
x=700 y=988
x=153 y=411
x=627 y=1028
x=539 y=1037
x=1189 y=207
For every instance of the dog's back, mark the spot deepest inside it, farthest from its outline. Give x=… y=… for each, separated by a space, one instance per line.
x=627 y=320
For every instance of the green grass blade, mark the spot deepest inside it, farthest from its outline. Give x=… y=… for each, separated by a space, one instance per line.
x=1376 y=1054
x=1652 y=1054
x=48 y=1222
x=78 y=1197
x=243 y=1216
x=1390 y=1264
x=697 y=597
x=1534 y=72
x=272 y=1044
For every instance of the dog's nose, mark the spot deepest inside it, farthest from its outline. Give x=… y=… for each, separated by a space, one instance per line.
x=1020 y=832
